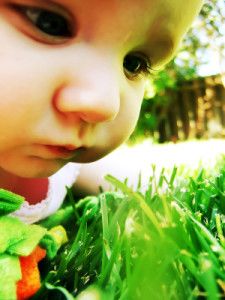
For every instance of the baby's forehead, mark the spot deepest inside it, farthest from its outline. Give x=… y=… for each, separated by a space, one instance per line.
x=157 y=25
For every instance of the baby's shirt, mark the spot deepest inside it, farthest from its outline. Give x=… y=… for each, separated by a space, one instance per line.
x=30 y=213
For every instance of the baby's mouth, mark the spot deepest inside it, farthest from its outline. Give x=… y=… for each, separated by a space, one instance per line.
x=63 y=152
x=57 y=152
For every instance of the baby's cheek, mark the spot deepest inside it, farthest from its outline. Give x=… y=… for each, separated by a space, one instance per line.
x=130 y=110
x=123 y=126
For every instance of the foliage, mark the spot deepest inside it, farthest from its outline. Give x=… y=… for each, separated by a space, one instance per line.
x=166 y=243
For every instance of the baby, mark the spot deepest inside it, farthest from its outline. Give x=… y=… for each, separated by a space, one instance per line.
x=72 y=80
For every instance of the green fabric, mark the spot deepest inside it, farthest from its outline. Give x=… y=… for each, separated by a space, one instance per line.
x=10 y=267
x=10 y=273
x=18 y=238
x=8 y=289
x=49 y=244
x=9 y=202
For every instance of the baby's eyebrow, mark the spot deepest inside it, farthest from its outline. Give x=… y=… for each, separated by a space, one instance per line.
x=160 y=49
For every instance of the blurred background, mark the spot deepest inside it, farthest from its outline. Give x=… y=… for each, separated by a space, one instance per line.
x=186 y=101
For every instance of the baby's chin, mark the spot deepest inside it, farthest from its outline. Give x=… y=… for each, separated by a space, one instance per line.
x=35 y=168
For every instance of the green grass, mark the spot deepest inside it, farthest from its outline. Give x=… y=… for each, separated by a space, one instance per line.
x=167 y=243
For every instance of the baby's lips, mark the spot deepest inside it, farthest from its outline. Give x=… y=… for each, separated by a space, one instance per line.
x=57 y=152
x=70 y=147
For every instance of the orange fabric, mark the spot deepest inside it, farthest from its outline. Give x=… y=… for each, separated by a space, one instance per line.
x=30 y=282
x=39 y=254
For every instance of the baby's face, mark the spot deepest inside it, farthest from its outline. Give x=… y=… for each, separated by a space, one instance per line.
x=72 y=75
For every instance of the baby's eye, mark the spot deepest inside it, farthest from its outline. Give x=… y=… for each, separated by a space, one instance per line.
x=135 y=65
x=48 y=22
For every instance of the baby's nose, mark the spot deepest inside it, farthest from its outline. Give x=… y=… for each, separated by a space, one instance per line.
x=90 y=104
